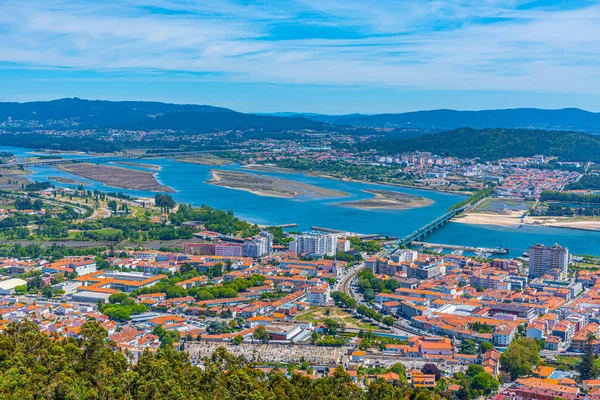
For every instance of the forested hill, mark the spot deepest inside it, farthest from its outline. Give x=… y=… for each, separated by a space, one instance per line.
x=493 y=144
x=567 y=119
x=74 y=113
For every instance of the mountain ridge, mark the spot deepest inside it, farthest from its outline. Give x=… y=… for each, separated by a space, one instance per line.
x=76 y=113
x=447 y=119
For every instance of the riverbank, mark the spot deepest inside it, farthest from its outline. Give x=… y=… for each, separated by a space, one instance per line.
x=117 y=177
x=388 y=200
x=210 y=160
x=581 y=223
x=67 y=181
x=135 y=164
x=515 y=219
x=263 y=185
x=508 y=219
x=269 y=168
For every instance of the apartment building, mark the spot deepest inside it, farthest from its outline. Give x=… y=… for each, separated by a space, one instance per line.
x=544 y=259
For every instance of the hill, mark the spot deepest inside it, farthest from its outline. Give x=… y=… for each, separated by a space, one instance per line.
x=493 y=144
x=98 y=114
x=571 y=119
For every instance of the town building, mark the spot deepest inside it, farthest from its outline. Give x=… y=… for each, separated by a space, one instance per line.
x=544 y=259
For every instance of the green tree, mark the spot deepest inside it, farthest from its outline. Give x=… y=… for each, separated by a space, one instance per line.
x=520 y=357
x=474 y=369
x=388 y=320
x=21 y=290
x=47 y=291
x=261 y=334
x=468 y=347
x=238 y=339
x=117 y=298
x=588 y=369
x=485 y=346
x=484 y=383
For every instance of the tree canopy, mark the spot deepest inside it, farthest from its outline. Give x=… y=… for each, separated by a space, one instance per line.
x=35 y=366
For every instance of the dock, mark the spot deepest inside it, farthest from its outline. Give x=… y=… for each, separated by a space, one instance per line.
x=464 y=248
x=278 y=226
x=328 y=230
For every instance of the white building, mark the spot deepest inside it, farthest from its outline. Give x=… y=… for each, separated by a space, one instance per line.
x=8 y=286
x=229 y=249
x=318 y=294
x=343 y=245
x=315 y=244
x=259 y=246
x=84 y=267
x=405 y=255
x=544 y=259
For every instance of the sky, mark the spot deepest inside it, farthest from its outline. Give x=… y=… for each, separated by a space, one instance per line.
x=323 y=56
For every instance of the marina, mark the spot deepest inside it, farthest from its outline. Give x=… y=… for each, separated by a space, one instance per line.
x=470 y=249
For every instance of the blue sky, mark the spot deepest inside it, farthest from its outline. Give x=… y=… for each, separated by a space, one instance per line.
x=328 y=56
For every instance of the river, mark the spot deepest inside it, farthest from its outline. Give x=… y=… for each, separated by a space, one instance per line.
x=189 y=182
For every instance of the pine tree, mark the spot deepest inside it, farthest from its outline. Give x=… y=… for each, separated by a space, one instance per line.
x=588 y=368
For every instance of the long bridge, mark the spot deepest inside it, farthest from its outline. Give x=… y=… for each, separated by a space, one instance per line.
x=424 y=231
x=101 y=159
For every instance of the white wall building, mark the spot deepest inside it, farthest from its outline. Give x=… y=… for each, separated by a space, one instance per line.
x=405 y=255
x=318 y=294
x=259 y=246
x=543 y=259
x=315 y=244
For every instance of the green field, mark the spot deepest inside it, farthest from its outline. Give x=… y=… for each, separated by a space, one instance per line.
x=503 y=206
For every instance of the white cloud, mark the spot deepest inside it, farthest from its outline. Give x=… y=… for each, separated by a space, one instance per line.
x=414 y=44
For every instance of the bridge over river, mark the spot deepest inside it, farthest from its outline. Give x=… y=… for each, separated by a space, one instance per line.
x=423 y=231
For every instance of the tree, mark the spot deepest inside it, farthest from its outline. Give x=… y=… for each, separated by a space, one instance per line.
x=117 y=298
x=261 y=334
x=334 y=327
x=468 y=347
x=485 y=347
x=399 y=369
x=38 y=205
x=35 y=283
x=474 y=369
x=369 y=294
x=388 y=320
x=392 y=285
x=587 y=367
x=21 y=290
x=520 y=357
x=238 y=339
x=484 y=383
x=432 y=369
x=204 y=295
x=47 y=291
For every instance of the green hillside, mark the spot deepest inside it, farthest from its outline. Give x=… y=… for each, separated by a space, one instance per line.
x=492 y=144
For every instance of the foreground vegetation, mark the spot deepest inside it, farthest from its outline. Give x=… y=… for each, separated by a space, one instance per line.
x=36 y=366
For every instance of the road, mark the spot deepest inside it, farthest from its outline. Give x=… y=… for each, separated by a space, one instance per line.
x=343 y=283
x=79 y=210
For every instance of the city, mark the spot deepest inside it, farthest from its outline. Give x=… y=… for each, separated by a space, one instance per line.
x=300 y=200
x=315 y=300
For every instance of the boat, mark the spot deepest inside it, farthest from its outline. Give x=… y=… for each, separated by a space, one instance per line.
x=457 y=252
x=439 y=250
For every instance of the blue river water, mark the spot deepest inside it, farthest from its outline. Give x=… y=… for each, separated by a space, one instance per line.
x=189 y=180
